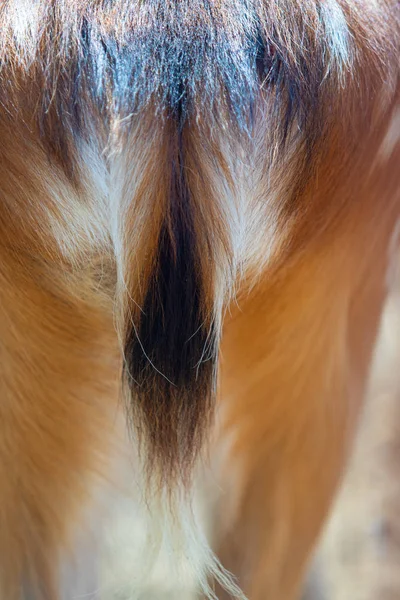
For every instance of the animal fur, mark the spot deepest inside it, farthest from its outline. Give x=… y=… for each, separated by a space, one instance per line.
x=161 y=162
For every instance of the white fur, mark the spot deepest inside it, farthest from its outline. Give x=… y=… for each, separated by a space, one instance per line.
x=392 y=138
x=128 y=549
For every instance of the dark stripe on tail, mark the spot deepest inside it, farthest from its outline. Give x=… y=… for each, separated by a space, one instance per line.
x=171 y=384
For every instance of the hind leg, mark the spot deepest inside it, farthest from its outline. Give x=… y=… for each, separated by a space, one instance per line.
x=295 y=360
x=55 y=390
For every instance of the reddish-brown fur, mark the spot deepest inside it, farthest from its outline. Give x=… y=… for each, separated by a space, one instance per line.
x=298 y=313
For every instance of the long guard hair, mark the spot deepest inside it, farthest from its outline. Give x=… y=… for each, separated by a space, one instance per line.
x=163 y=152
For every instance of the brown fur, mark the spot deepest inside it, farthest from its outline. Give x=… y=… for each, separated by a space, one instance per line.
x=259 y=210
